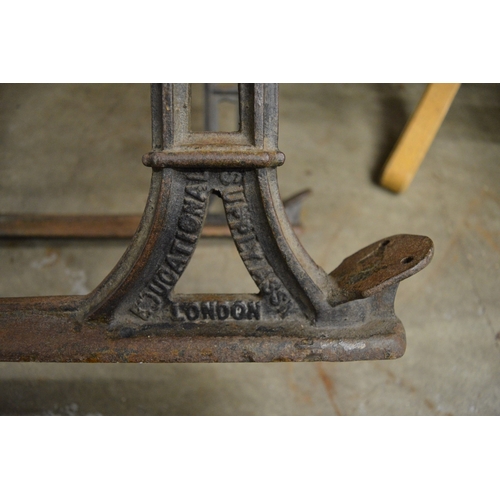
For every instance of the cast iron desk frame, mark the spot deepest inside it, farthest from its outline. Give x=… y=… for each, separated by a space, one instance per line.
x=301 y=313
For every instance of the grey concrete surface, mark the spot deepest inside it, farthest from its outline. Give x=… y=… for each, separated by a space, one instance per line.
x=77 y=149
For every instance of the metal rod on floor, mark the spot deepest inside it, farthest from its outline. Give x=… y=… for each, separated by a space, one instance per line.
x=116 y=226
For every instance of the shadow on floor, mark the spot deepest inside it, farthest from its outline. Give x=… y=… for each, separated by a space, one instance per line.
x=106 y=397
x=393 y=117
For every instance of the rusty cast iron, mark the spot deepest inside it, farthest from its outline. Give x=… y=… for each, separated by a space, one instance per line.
x=301 y=313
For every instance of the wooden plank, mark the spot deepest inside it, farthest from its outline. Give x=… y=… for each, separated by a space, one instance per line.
x=417 y=136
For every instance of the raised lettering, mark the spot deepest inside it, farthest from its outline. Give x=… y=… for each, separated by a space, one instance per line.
x=222 y=311
x=208 y=310
x=234 y=212
x=150 y=293
x=243 y=239
x=176 y=312
x=243 y=227
x=194 y=207
x=260 y=274
x=238 y=310
x=177 y=262
x=248 y=244
x=253 y=310
x=178 y=247
x=157 y=286
x=198 y=191
x=188 y=230
x=188 y=238
x=144 y=314
x=167 y=276
x=189 y=223
x=254 y=253
x=192 y=311
x=230 y=178
x=216 y=311
x=234 y=196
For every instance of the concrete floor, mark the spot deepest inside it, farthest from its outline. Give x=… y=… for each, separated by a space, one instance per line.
x=78 y=148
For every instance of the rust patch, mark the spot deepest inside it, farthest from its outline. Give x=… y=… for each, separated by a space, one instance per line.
x=329 y=387
x=298 y=393
x=430 y=405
